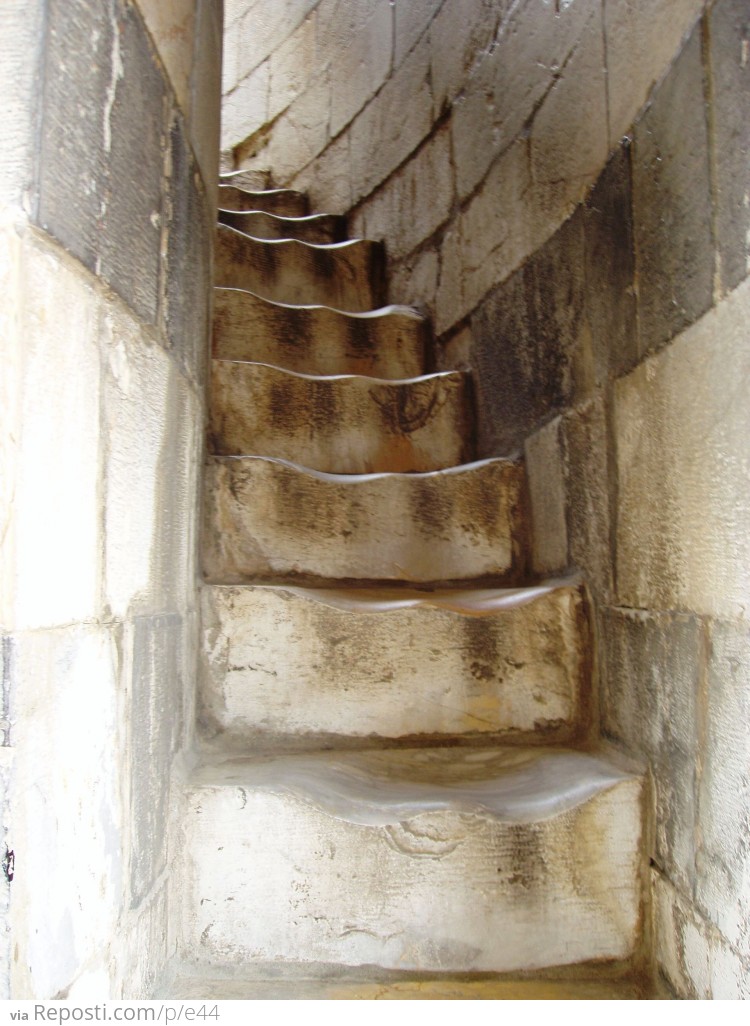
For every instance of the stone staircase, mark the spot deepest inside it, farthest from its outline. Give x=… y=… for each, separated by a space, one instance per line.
x=396 y=770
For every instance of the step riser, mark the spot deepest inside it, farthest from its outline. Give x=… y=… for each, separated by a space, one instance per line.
x=265 y=520
x=321 y=229
x=279 y=664
x=349 y=426
x=349 y=278
x=317 y=341
x=281 y=202
x=254 y=181
x=275 y=878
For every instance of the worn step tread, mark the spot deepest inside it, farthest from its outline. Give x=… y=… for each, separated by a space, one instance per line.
x=348 y=276
x=437 y=859
x=269 y=518
x=315 y=228
x=300 y=667
x=342 y=423
x=285 y=202
x=244 y=178
x=389 y=342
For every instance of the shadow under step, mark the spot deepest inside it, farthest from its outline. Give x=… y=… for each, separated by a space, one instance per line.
x=272 y=519
x=390 y=342
x=298 y=666
x=282 y=202
x=345 y=424
x=442 y=860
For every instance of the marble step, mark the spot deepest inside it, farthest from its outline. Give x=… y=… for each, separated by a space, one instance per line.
x=306 y=667
x=348 y=276
x=436 y=859
x=344 y=424
x=387 y=343
x=254 y=181
x=316 y=228
x=272 y=519
x=282 y=202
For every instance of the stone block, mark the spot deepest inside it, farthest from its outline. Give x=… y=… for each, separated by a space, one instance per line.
x=415 y=280
x=327 y=179
x=21 y=28
x=363 y=64
x=291 y=66
x=68 y=817
x=144 y=949
x=516 y=62
x=51 y=538
x=730 y=974
x=264 y=27
x=568 y=143
x=205 y=100
x=299 y=134
x=642 y=38
x=188 y=257
x=723 y=886
x=342 y=425
x=269 y=519
x=244 y=111
x=151 y=422
x=672 y=204
x=526 y=337
x=490 y=238
x=432 y=860
x=543 y=457
x=304 y=664
x=412 y=19
x=610 y=271
x=729 y=71
x=172 y=27
x=651 y=666
x=388 y=129
x=76 y=130
x=156 y=704
x=681 y=940
x=681 y=424
x=589 y=487
x=414 y=202
x=130 y=244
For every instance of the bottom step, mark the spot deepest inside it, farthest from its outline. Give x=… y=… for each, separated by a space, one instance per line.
x=432 y=860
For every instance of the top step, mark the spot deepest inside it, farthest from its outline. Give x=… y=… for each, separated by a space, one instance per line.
x=282 y=202
x=246 y=179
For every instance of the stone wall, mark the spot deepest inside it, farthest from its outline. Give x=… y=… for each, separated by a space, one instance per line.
x=564 y=186
x=106 y=183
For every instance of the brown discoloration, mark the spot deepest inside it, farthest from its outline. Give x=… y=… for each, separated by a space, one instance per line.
x=320 y=228
x=282 y=202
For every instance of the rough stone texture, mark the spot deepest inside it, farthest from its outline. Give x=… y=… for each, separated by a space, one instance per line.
x=650 y=672
x=729 y=39
x=205 y=100
x=682 y=942
x=681 y=428
x=245 y=110
x=672 y=205
x=413 y=203
x=21 y=29
x=344 y=425
x=587 y=486
x=318 y=228
x=525 y=340
x=67 y=830
x=262 y=27
x=172 y=25
x=156 y=699
x=416 y=280
x=150 y=437
x=411 y=21
x=355 y=664
x=723 y=887
x=290 y=68
x=385 y=876
x=270 y=519
x=388 y=343
x=642 y=37
x=188 y=258
x=568 y=141
x=514 y=77
x=347 y=276
x=389 y=129
x=362 y=59
x=329 y=175
x=543 y=457
x=281 y=202
x=52 y=514
x=610 y=271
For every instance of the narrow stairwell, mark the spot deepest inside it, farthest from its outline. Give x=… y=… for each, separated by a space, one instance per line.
x=396 y=772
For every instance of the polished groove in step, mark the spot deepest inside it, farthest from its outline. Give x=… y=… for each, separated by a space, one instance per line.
x=315 y=228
